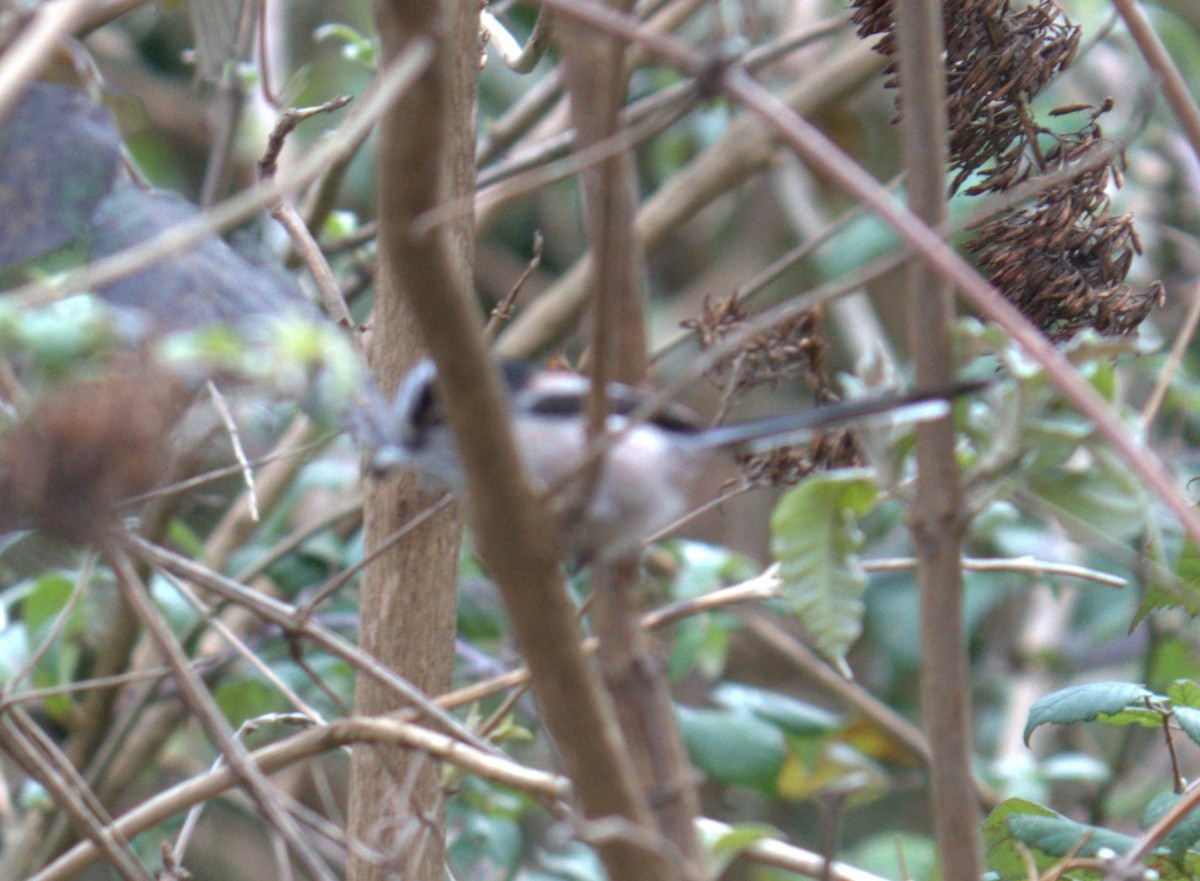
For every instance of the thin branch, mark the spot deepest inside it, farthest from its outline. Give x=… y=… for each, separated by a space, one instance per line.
x=303 y=746
x=1179 y=349
x=287 y=215
x=231 y=103
x=244 y=651
x=520 y=59
x=853 y=694
x=780 y=855
x=210 y=716
x=235 y=441
x=392 y=83
x=56 y=628
x=41 y=758
x=285 y=616
x=745 y=149
x=1007 y=564
x=1170 y=80
x=33 y=48
x=238 y=522
x=819 y=151
x=503 y=310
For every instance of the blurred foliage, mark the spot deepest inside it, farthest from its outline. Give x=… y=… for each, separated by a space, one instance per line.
x=1103 y=691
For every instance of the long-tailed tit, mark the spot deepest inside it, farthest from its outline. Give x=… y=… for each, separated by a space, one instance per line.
x=648 y=466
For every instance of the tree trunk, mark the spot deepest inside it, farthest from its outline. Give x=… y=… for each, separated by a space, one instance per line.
x=408 y=595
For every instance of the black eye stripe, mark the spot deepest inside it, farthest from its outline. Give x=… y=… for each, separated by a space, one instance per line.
x=623 y=402
x=428 y=411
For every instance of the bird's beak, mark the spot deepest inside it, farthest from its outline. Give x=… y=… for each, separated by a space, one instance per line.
x=386 y=461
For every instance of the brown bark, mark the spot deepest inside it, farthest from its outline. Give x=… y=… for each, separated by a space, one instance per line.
x=938 y=520
x=408 y=596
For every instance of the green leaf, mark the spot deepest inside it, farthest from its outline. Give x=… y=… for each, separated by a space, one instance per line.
x=1002 y=855
x=46 y=600
x=792 y=715
x=247 y=699
x=733 y=747
x=1183 y=835
x=1184 y=693
x=701 y=642
x=486 y=841
x=1143 y=716
x=1083 y=703
x=1189 y=722
x=1058 y=836
x=728 y=844
x=1104 y=497
x=814 y=536
x=1182 y=591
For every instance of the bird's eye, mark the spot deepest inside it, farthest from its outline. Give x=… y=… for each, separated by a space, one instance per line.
x=428 y=412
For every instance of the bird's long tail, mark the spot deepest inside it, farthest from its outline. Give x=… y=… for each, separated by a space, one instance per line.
x=920 y=405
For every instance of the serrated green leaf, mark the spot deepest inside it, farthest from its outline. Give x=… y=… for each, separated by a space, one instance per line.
x=1058 y=836
x=1189 y=722
x=1083 y=703
x=792 y=715
x=733 y=748
x=814 y=536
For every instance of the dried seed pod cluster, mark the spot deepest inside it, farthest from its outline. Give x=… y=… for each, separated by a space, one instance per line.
x=1063 y=261
x=790 y=350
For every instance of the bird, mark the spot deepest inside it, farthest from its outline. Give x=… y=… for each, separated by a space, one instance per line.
x=648 y=466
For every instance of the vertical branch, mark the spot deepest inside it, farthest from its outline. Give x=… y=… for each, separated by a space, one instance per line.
x=937 y=519
x=594 y=72
x=426 y=160
x=409 y=593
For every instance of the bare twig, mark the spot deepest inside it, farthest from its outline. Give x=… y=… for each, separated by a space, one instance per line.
x=814 y=147
x=1007 y=564
x=231 y=101
x=745 y=149
x=235 y=441
x=392 y=83
x=40 y=757
x=33 y=48
x=521 y=59
x=770 y=852
x=503 y=310
x=1171 y=81
x=238 y=522
x=1179 y=349
x=284 y=615
x=337 y=582
x=210 y=716
x=283 y=211
x=852 y=694
x=60 y=622
x=299 y=747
